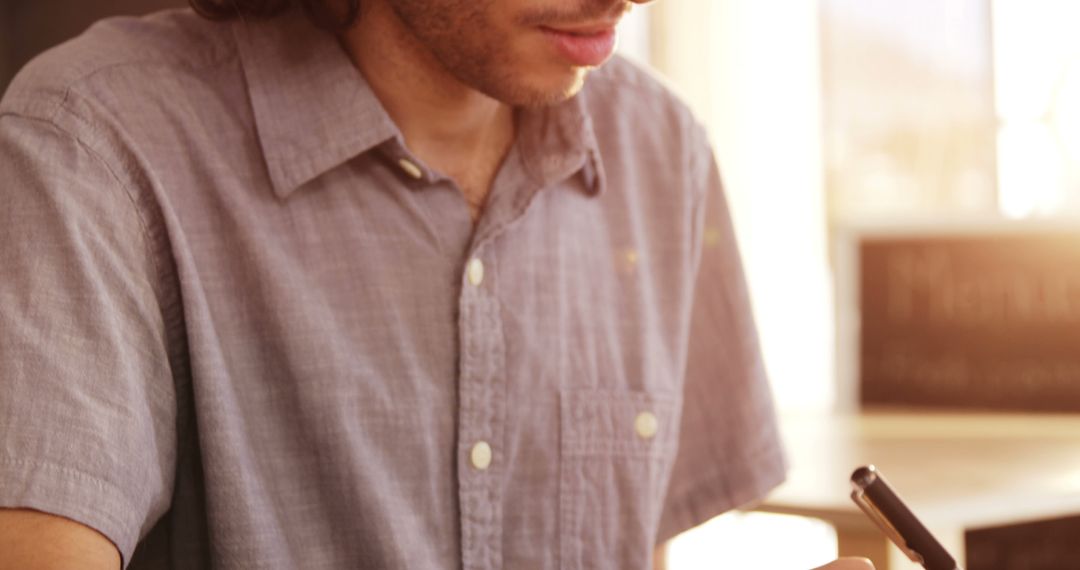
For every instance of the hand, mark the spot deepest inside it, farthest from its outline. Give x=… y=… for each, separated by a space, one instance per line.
x=848 y=564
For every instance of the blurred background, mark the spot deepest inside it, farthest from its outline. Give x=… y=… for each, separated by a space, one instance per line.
x=904 y=178
x=905 y=181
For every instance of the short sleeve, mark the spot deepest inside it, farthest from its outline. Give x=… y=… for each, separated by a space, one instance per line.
x=87 y=405
x=729 y=451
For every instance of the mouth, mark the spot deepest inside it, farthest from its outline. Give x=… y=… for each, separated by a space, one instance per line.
x=583 y=45
x=585 y=29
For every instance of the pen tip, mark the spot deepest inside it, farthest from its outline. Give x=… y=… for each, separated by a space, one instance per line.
x=864 y=475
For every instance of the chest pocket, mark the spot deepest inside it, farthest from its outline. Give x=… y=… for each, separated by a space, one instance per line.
x=617 y=451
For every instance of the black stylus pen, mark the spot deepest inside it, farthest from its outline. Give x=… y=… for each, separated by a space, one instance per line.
x=878 y=500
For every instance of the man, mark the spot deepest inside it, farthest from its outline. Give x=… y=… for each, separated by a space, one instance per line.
x=410 y=295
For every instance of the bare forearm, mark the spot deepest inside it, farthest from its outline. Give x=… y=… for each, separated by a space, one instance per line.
x=32 y=540
x=660 y=557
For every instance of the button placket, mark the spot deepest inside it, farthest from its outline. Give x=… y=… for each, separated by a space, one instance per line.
x=482 y=412
x=474 y=272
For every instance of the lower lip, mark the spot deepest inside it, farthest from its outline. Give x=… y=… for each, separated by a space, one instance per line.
x=583 y=50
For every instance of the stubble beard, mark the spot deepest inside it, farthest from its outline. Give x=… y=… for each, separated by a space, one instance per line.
x=452 y=35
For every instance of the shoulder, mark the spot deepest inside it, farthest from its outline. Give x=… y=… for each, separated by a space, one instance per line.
x=645 y=133
x=115 y=57
x=625 y=99
x=622 y=76
x=642 y=125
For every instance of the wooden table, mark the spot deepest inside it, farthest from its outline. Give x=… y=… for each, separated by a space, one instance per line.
x=956 y=471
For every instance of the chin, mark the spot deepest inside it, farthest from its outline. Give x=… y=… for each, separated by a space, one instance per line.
x=545 y=91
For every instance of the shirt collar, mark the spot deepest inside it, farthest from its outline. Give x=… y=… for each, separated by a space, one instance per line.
x=314 y=110
x=559 y=140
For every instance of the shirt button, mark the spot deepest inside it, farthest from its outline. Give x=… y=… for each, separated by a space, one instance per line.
x=645 y=425
x=411 y=168
x=481 y=455
x=475 y=272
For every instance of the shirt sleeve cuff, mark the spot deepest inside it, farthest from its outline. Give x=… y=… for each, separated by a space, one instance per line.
x=72 y=494
x=708 y=497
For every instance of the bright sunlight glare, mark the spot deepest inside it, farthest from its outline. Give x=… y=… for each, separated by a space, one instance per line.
x=1037 y=86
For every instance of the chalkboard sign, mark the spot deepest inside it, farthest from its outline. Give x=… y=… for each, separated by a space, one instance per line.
x=980 y=321
x=1036 y=545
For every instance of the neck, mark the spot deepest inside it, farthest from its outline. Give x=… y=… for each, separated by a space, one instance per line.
x=443 y=121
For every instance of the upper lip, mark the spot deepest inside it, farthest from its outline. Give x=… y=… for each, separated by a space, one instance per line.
x=586 y=28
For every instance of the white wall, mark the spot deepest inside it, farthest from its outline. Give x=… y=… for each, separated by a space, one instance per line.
x=751 y=69
x=634 y=34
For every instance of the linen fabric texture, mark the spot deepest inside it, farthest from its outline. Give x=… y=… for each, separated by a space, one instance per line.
x=237 y=333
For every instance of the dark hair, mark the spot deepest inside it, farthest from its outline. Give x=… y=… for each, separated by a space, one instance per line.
x=326 y=14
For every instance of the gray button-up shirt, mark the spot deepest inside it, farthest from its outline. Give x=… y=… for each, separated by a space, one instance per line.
x=244 y=327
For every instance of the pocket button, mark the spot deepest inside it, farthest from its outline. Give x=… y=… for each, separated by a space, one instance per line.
x=645 y=425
